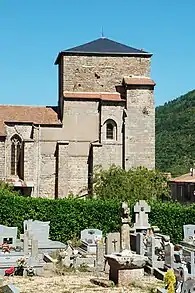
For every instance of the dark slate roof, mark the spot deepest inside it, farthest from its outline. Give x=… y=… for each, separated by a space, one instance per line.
x=103 y=46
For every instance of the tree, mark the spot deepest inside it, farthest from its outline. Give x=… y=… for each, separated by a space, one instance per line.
x=139 y=183
x=7 y=189
x=175 y=135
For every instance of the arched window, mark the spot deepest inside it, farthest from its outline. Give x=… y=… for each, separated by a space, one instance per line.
x=17 y=156
x=111 y=129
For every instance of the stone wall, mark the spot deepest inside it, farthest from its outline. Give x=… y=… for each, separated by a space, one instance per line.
x=47 y=169
x=78 y=154
x=2 y=159
x=100 y=73
x=63 y=170
x=29 y=161
x=107 y=155
x=80 y=121
x=140 y=129
x=114 y=112
x=24 y=132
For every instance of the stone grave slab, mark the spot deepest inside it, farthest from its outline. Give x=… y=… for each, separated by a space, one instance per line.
x=89 y=238
x=169 y=255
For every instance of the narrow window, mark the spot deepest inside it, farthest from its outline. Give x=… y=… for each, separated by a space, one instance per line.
x=16 y=156
x=109 y=131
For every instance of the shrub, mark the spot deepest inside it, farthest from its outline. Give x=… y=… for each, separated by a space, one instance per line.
x=134 y=184
x=69 y=216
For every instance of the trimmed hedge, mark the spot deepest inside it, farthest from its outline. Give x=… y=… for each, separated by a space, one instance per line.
x=69 y=216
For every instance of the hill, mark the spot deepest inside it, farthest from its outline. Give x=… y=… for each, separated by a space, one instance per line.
x=175 y=135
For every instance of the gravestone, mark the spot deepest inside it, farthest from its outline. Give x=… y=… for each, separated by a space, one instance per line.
x=169 y=255
x=91 y=235
x=8 y=235
x=140 y=244
x=100 y=252
x=37 y=230
x=113 y=243
x=141 y=210
x=189 y=232
x=151 y=250
x=89 y=238
x=189 y=258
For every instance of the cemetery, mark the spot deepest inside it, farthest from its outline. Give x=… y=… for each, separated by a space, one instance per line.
x=139 y=251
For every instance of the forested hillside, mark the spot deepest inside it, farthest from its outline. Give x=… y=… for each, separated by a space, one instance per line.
x=175 y=135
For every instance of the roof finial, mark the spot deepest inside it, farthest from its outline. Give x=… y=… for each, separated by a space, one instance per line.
x=102 y=33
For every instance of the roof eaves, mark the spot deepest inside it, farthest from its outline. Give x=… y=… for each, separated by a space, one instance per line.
x=31 y=123
x=80 y=53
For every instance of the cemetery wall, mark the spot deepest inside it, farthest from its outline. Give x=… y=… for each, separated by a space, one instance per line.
x=101 y=73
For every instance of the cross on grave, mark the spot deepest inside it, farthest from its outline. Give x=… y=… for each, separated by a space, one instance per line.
x=141 y=210
x=114 y=242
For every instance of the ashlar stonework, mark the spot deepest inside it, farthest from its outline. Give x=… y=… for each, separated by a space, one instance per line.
x=105 y=116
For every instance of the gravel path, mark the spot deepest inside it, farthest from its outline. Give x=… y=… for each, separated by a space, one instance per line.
x=77 y=282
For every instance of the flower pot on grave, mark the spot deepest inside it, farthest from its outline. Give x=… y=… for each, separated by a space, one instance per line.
x=19 y=271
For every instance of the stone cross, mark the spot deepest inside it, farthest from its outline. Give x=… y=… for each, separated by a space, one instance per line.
x=114 y=242
x=141 y=210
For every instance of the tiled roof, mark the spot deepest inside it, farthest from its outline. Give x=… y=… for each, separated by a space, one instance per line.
x=103 y=46
x=27 y=114
x=183 y=178
x=138 y=81
x=93 y=96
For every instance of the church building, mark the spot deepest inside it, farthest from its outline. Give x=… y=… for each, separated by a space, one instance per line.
x=105 y=115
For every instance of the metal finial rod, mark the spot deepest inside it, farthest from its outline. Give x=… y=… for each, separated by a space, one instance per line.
x=102 y=32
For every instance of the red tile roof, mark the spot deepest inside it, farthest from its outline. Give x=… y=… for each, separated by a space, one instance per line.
x=139 y=81
x=93 y=96
x=28 y=114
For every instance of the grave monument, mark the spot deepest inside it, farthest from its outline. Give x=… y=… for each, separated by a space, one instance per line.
x=126 y=265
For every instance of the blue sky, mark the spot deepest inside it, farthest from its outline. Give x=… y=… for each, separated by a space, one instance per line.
x=32 y=32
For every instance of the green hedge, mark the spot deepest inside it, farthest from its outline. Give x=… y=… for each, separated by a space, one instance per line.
x=69 y=216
